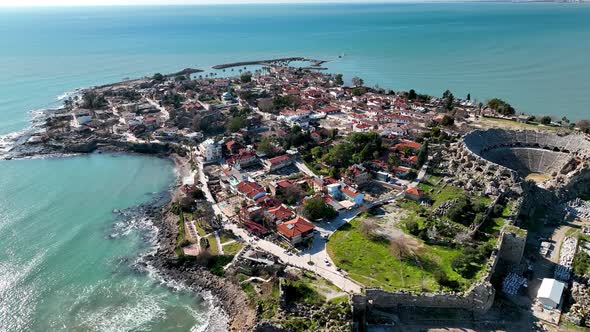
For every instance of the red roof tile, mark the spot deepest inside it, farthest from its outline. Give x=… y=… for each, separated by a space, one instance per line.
x=294 y=227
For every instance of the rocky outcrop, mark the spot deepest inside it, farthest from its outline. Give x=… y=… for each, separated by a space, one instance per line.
x=229 y=295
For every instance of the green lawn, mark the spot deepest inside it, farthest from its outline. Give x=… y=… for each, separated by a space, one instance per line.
x=225 y=236
x=213 y=250
x=232 y=248
x=494 y=225
x=509 y=124
x=412 y=210
x=372 y=264
x=440 y=194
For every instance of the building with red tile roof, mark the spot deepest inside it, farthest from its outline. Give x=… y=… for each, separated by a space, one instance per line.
x=278 y=186
x=414 y=193
x=407 y=144
x=252 y=190
x=296 y=230
x=353 y=195
x=278 y=162
x=278 y=214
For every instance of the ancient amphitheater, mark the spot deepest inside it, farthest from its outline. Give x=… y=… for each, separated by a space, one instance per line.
x=545 y=154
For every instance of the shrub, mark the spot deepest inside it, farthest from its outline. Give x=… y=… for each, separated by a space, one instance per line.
x=413 y=227
x=497 y=210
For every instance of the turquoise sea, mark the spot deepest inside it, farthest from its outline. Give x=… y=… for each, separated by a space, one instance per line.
x=60 y=268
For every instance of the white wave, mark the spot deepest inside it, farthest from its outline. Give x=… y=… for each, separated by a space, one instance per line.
x=69 y=94
x=132 y=317
x=36 y=120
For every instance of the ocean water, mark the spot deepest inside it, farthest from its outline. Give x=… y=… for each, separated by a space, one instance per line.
x=66 y=260
x=59 y=267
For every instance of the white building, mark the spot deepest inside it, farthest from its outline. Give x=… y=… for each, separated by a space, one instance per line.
x=550 y=292
x=210 y=150
x=80 y=118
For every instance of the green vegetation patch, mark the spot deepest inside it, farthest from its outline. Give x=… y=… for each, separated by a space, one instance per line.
x=216 y=263
x=374 y=263
x=302 y=291
x=232 y=248
x=226 y=236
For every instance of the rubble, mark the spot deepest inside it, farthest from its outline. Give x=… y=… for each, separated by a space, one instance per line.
x=566 y=257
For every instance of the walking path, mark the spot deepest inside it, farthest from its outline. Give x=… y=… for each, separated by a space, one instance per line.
x=218 y=241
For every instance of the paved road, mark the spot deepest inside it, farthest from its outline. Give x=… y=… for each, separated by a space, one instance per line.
x=301 y=166
x=317 y=253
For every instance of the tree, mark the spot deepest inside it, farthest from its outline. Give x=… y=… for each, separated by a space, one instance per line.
x=501 y=107
x=469 y=96
x=357 y=91
x=292 y=194
x=422 y=154
x=268 y=147
x=448 y=100
x=447 y=121
x=246 y=77
x=339 y=155
x=400 y=248
x=315 y=208
x=158 y=77
x=317 y=152
x=546 y=120
x=92 y=100
x=285 y=101
x=180 y=78
x=187 y=204
x=68 y=103
x=237 y=123
x=393 y=160
x=412 y=94
x=584 y=125
x=357 y=81
x=198 y=194
x=413 y=227
x=338 y=80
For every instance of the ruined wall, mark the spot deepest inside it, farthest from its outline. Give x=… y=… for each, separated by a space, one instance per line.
x=578 y=184
x=513 y=243
x=478 y=299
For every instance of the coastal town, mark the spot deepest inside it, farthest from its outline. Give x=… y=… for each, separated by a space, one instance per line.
x=334 y=206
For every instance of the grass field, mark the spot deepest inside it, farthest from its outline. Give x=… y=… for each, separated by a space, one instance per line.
x=213 y=249
x=441 y=193
x=232 y=248
x=225 y=236
x=509 y=124
x=372 y=264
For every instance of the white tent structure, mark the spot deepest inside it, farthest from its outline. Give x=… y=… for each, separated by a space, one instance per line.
x=550 y=292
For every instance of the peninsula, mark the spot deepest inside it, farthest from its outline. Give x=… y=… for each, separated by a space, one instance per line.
x=304 y=203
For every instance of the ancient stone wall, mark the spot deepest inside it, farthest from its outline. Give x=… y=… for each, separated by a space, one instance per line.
x=513 y=241
x=478 y=299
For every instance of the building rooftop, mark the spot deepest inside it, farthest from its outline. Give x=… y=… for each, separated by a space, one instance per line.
x=294 y=227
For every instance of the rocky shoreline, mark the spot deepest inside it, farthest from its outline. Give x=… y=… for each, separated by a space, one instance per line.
x=231 y=298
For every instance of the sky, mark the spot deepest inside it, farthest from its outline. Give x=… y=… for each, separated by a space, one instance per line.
x=31 y=3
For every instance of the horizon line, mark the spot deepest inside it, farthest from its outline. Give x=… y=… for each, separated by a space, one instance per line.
x=264 y=2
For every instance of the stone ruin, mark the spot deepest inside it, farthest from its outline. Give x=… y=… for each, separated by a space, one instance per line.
x=579 y=312
x=558 y=159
